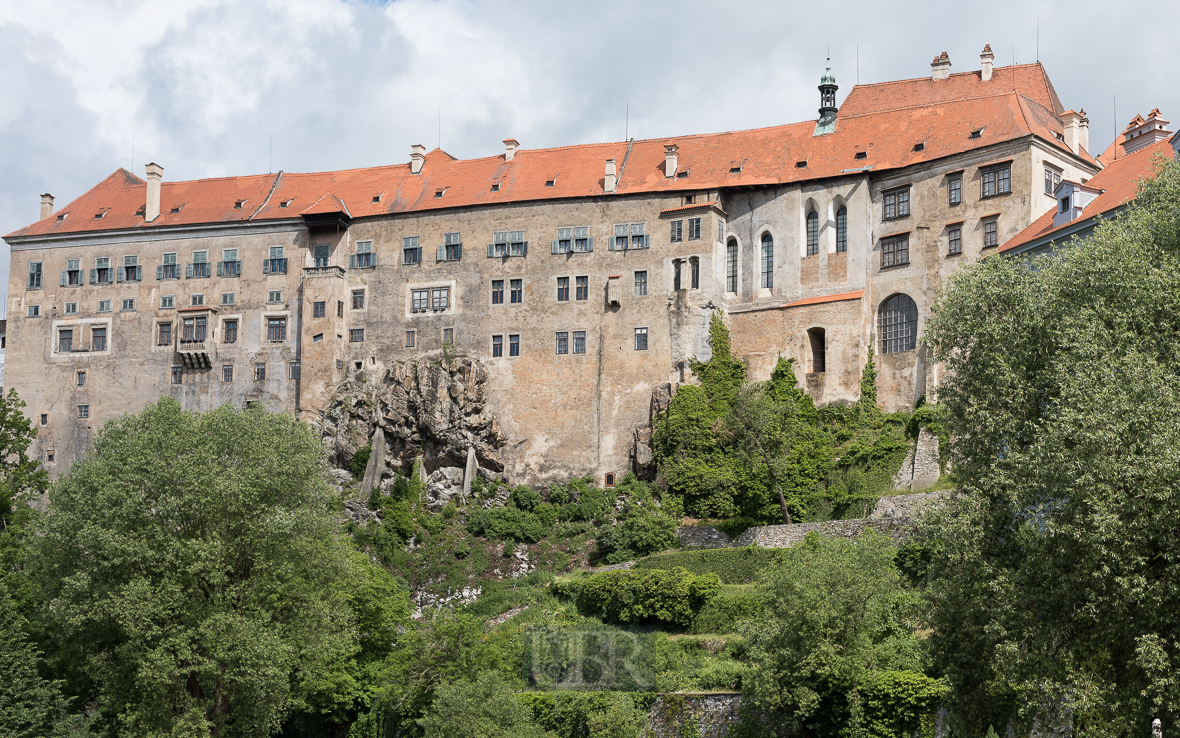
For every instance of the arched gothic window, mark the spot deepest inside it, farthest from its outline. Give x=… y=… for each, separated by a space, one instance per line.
x=731 y=266
x=812 y=233
x=897 y=324
x=841 y=230
x=767 y=261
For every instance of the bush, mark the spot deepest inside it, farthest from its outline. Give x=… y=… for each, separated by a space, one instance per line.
x=640 y=534
x=671 y=597
x=525 y=498
x=359 y=461
x=731 y=565
x=896 y=703
x=722 y=613
x=585 y=714
x=507 y=523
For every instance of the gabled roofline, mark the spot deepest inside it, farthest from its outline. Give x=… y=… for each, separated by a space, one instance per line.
x=161 y=233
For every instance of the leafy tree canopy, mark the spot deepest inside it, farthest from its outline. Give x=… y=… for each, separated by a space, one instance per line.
x=481 y=708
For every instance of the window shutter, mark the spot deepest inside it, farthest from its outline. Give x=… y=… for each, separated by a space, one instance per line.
x=589 y=244
x=121 y=274
x=524 y=249
x=188 y=271
x=93 y=276
x=352 y=261
x=458 y=251
x=284 y=264
x=419 y=250
x=553 y=248
x=647 y=242
x=373 y=259
x=138 y=273
x=221 y=268
x=440 y=253
x=266 y=266
x=159 y=272
x=63 y=279
x=491 y=250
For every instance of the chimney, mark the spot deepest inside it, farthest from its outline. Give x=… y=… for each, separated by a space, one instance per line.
x=940 y=68
x=608 y=183
x=985 y=62
x=510 y=147
x=417 y=158
x=155 y=173
x=46 y=205
x=670 y=159
x=1077 y=130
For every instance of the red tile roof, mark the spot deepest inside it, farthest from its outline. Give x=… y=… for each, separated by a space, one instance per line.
x=1119 y=183
x=693 y=206
x=885 y=120
x=806 y=301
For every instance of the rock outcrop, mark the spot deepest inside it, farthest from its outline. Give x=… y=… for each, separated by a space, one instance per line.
x=432 y=409
x=642 y=458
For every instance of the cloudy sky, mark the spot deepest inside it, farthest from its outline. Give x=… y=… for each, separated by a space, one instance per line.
x=216 y=87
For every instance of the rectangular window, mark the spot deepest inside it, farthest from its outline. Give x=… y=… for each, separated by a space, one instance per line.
x=517 y=246
x=277 y=263
x=358 y=299
x=200 y=266
x=363 y=259
x=989 y=233
x=167 y=268
x=641 y=339
x=274 y=296
x=895 y=251
x=954 y=240
x=72 y=276
x=731 y=265
x=449 y=336
x=565 y=241
x=411 y=253
x=229 y=331
x=104 y=306
x=499 y=247
x=65 y=341
x=319 y=309
x=167 y=302
x=409 y=339
x=514 y=345
x=128 y=303
x=954 y=190
x=35 y=275
x=81 y=378
x=130 y=271
x=198 y=301
x=638 y=240
x=452 y=247
x=228 y=298
x=497 y=346
x=98 y=339
x=996 y=181
x=583 y=288
x=227 y=372
x=83 y=411
x=517 y=293
x=260 y=372
x=582 y=242
x=620 y=237
x=45 y=419
x=563 y=289
x=194 y=330
x=1052 y=179
x=164 y=334
x=34 y=311
x=440 y=298
x=103 y=274
x=293 y=370
x=897 y=203
x=767 y=262
x=71 y=308
x=177 y=374
x=419 y=300
x=677 y=231
x=694 y=229
x=276 y=330
x=563 y=342
x=356 y=335
x=497 y=292
x=640 y=283
x=340 y=308
x=579 y=342
x=229 y=266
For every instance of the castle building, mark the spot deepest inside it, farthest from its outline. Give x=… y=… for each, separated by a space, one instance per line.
x=581 y=277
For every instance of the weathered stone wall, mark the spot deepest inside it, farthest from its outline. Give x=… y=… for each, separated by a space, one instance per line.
x=702 y=536
x=704 y=715
x=920 y=468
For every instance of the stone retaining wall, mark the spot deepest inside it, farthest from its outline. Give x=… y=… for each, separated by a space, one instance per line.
x=714 y=715
x=701 y=536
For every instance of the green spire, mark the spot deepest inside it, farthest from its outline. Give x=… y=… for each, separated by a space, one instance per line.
x=828 y=78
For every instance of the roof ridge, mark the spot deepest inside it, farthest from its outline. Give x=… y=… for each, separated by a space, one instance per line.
x=273 y=186
x=954 y=74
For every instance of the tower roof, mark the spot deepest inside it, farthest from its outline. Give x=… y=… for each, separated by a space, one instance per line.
x=828 y=78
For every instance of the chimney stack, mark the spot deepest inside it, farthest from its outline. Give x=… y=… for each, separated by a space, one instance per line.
x=1077 y=130
x=940 y=68
x=417 y=158
x=985 y=62
x=155 y=173
x=608 y=183
x=510 y=147
x=46 y=205
x=670 y=159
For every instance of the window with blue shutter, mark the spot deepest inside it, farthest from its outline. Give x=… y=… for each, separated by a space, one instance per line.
x=565 y=241
x=362 y=259
x=411 y=251
x=582 y=241
x=452 y=247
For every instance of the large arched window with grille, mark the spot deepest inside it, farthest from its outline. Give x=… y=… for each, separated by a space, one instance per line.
x=841 y=230
x=812 y=233
x=731 y=266
x=767 y=261
x=897 y=324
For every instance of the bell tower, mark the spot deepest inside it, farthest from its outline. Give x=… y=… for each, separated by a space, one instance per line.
x=827 y=102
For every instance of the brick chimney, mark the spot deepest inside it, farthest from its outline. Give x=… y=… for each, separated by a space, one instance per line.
x=940 y=68
x=1077 y=130
x=608 y=183
x=155 y=173
x=417 y=158
x=670 y=159
x=46 y=205
x=510 y=147
x=985 y=62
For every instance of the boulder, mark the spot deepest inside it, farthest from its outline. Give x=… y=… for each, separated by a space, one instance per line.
x=445 y=484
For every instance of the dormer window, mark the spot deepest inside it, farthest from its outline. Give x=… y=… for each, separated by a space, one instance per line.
x=735 y=170
x=238 y=204
x=376 y=199
x=801 y=164
x=62 y=216
x=682 y=175
x=1064 y=204
x=98 y=216
x=977 y=133
x=439 y=193
x=862 y=155
x=175 y=210
x=496 y=187
x=920 y=146
x=550 y=182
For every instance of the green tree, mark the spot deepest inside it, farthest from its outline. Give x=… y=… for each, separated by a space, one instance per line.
x=194 y=580
x=21 y=481
x=621 y=719
x=834 y=617
x=481 y=708
x=1054 y=581
x=30 y=706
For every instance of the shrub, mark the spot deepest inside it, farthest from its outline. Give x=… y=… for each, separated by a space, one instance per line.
x=525 y=498
x=721 y=614
x=507 y=523
x=584 y=714
x=671 y=597
x=895 y=703
x=640 y=534
x=731 y=565
x=359 y=461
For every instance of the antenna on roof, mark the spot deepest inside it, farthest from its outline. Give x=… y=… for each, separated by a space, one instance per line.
x=1038 y=39
x=270 y=155
x=627 y=122
x=440 y=127
x=133 y=152
x=858 y=63
x=1115 y=105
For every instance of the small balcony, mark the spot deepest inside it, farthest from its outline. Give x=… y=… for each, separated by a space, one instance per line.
x=196 y=352
x=324 y=271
